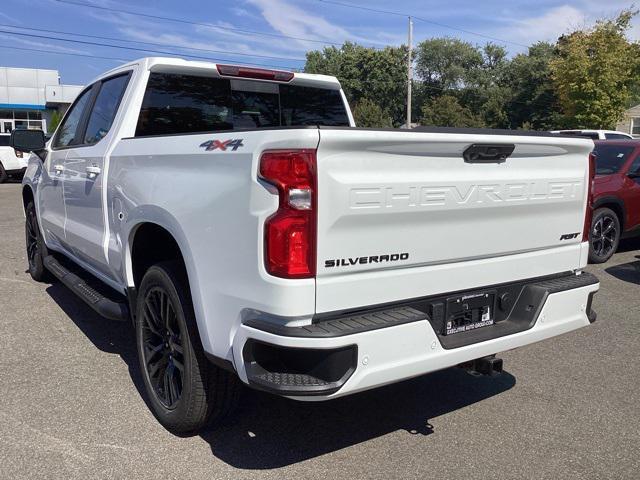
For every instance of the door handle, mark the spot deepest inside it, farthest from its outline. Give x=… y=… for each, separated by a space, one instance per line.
x=93 y=171
x=58 y=168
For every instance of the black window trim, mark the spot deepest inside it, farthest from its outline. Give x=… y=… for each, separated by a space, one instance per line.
x=88 y=109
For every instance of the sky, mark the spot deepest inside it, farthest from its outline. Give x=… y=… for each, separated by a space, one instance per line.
x=270 y=33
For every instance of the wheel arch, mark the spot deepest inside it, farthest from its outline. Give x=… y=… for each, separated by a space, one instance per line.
x=615 y=204
x=153 y=237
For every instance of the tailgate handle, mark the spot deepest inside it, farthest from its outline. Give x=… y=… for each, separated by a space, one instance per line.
x=488 y=153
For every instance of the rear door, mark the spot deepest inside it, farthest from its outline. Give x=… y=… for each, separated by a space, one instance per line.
x=84 y=175
x=631 y=193
x=393 y=203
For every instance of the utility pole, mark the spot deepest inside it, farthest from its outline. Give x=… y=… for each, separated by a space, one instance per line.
x=409 y=73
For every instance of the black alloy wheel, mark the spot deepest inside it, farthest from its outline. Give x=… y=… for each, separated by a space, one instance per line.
x=33 y=247
x=604 y=236
x=163 y=352
x=186 y=392
x=36 y=249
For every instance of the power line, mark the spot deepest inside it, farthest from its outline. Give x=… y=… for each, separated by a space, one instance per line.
x=46 y=37
x=50 y=52
x=191 y=22
x=400 y=14
x=156 y=44
x=368 y=9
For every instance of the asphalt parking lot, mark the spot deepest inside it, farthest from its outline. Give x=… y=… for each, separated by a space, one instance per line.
x=71 y=402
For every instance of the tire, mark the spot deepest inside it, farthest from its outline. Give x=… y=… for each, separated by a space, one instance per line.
x=186 y=392
x=3 y=174
x=604 y=236
x=36 y=249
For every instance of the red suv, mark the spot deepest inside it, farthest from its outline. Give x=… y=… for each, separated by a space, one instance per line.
x=616 y=196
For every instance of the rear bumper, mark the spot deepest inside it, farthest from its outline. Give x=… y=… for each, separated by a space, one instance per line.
x=351 y=353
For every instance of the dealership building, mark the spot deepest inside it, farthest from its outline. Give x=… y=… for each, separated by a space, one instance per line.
x=30 y=96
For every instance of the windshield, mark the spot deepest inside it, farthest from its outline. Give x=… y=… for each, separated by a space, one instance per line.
x=611 y=158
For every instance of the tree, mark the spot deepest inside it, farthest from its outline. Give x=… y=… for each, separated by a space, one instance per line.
x=366 y=113
x=486 y=91
x=473 y=76
x=446 y=63
x=594 y=71
x=533 y=100
x=378 y=75
x=54 y=121
x=446 y=111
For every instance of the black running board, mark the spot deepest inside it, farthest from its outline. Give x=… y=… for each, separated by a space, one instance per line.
x=108 y=308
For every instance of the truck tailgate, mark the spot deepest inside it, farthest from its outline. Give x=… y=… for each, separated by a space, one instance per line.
x=403 y=214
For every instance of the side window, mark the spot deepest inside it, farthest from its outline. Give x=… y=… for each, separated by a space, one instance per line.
x=184 y=104
x=615 y=136
x=67 y=132
x=312 y=106
x=105 y=108
x=635 y=166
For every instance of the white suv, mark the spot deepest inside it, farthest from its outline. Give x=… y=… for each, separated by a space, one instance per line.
x=11 y=165
x=596 y=134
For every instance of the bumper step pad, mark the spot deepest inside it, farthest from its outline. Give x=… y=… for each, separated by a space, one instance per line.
x=347 y=325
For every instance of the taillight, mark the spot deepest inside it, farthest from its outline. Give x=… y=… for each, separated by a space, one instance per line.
x=290 y=233
x=589 y=213
x=256 y=73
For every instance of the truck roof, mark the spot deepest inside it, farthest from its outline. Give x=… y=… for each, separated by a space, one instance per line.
x=179 y=65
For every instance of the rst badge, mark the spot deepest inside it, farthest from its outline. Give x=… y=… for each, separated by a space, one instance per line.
x=222 y=145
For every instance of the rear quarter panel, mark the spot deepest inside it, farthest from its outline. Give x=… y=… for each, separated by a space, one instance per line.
x=214 y=206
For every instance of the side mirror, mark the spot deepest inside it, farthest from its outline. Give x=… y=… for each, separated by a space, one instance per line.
x=28 y=140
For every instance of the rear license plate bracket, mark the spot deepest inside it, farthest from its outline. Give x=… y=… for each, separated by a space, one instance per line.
x=469 y=312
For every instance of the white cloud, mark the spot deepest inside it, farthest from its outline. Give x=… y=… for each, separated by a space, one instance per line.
x=295 y=22
x=546 y=27
x=290 y=20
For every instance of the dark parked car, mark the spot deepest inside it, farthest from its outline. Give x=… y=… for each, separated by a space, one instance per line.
x=616 y=196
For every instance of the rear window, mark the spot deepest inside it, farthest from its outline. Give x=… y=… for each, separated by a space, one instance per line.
x=611 y=158
x=175 y=104
x=4 y=140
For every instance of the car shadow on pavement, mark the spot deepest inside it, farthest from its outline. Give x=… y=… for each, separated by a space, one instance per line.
x=627 y=272
x=629 y=244
x=267 y=431
x=107 y=335
x=271 y=432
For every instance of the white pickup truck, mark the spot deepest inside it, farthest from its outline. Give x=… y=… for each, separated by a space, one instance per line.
x=253 y=234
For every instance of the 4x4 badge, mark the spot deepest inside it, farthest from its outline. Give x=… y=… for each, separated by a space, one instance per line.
x=233 y=144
